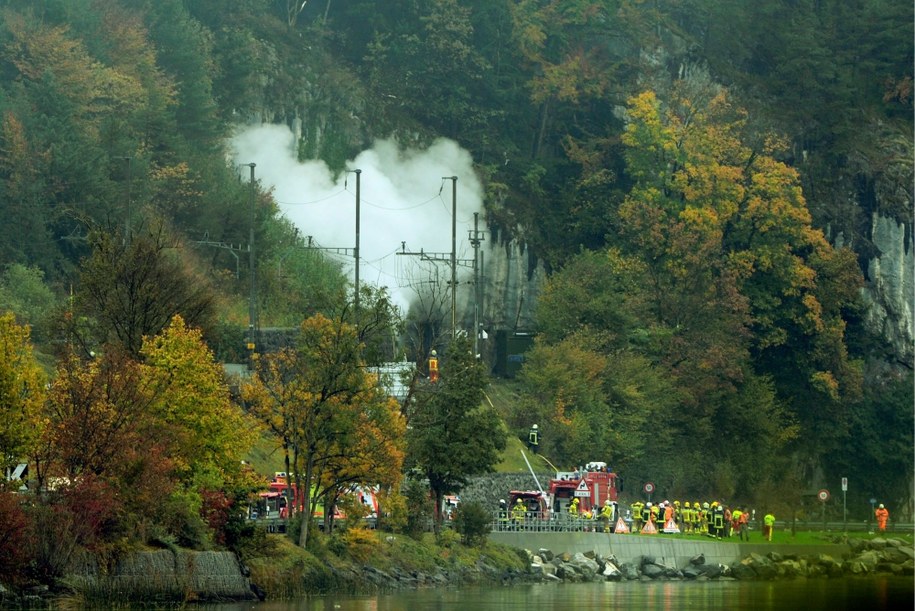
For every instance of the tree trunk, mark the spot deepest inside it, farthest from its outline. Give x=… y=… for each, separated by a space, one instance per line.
x=306 y=492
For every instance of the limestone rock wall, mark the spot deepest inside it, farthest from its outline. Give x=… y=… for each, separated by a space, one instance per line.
x=890 y=289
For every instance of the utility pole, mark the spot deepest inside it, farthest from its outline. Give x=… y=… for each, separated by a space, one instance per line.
x=453 y=180
x=252 y=297
x=356 y=250
x=475 y=239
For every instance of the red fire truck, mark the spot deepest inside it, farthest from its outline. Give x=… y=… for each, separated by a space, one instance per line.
x=548 y=510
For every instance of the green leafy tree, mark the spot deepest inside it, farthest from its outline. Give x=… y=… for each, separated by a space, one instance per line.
x=453 y=435
x=21 y=393
x=23 y=291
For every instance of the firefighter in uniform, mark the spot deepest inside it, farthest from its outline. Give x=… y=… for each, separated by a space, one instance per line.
x=533 y=439
x=518 y=512
x=646 y=513
x=636 y=509
x=606 y=515
x=433 y=367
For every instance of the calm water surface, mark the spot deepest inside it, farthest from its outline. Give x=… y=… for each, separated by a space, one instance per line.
x=870 y=594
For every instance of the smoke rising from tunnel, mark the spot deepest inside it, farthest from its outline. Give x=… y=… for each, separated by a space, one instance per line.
x=403 y=199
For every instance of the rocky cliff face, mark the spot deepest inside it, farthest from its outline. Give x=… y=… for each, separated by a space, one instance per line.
x=890 y=292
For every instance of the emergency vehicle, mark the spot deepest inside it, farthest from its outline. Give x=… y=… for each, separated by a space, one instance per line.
x=591 y=485
x=273 y=504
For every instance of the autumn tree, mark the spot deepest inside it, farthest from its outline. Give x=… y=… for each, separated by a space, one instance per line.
x=98 y=412
x=133 y=288
x=208 y=434
x=335 y=424
x=453 y=435
x=733 y=265
x=21 y=393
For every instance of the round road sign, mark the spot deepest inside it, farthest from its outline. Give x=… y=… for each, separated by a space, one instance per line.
x=823 y=495
x=649 y=488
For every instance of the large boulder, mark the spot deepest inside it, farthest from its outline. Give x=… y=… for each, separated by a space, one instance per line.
x=743 y=571
x=611 y=572
x=653 y=571
x=584 y=565
x=629 y=571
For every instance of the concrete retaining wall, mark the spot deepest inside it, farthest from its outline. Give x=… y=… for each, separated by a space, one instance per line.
x=668 y=551
x=166 y=575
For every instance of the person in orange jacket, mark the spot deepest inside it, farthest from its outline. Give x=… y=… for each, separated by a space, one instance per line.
x=882 y=516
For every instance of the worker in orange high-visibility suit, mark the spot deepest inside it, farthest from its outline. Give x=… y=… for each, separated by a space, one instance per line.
x=882 y=515
x=433 y=367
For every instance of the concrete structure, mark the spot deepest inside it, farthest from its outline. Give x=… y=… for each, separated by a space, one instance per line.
x=668 y=551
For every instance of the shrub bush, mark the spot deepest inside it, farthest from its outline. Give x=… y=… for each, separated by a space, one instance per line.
x=472 y=521
x=14 y=553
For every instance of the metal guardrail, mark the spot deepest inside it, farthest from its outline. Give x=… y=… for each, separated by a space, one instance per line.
x=538 y=522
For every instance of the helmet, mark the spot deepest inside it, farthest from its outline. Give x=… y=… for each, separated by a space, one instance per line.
x=705 y=505
x=534 y=426
x=881 y=505
x=607 y=502
x=648 y=504
x=575 y=500
x=677 y=503
x=518 y=500
x=434 y=353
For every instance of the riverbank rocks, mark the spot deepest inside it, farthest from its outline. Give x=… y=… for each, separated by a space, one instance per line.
x=888 y=556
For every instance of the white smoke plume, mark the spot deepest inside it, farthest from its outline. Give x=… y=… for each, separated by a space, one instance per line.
x=403 y=198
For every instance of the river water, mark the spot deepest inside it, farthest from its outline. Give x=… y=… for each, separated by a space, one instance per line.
x=869 y=594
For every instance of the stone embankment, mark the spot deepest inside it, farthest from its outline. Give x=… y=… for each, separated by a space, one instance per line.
x=150 y=576
x=877 y=556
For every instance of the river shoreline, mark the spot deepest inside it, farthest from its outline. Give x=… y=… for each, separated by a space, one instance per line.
x=401 y=563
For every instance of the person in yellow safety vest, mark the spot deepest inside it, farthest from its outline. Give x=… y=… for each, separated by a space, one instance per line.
x=518 y=512
x=768 y=526
x=636 y=509
x=704 y=518
x=606 y=515
x=646 y=514
x=503 y=515
x=697 y=514
x=678 y=515
x=655 y=512
x=735 y=522
x=573 y=513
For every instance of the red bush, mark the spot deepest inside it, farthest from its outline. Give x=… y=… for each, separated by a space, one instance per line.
x=14 y=555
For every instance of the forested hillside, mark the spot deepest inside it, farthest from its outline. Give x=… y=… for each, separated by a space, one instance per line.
x=699 y=178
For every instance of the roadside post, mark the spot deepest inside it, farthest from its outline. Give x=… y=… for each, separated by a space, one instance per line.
x=823 y=495
x=873 y=502
x=844 y=510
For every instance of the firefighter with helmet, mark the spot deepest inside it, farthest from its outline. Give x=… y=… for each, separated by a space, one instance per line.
x=606 y=515
x=518 y=512
x=533 y=439
x=433 y=366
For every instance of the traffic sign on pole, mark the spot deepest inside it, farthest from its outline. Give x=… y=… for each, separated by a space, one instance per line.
x=844 y=484
x=648 y=488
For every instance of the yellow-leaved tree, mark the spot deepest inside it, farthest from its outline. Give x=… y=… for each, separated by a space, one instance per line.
x=209 y=434
x=333 y=420
x=21 y=393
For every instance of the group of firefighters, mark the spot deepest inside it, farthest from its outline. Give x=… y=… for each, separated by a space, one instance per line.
x=712 y=519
